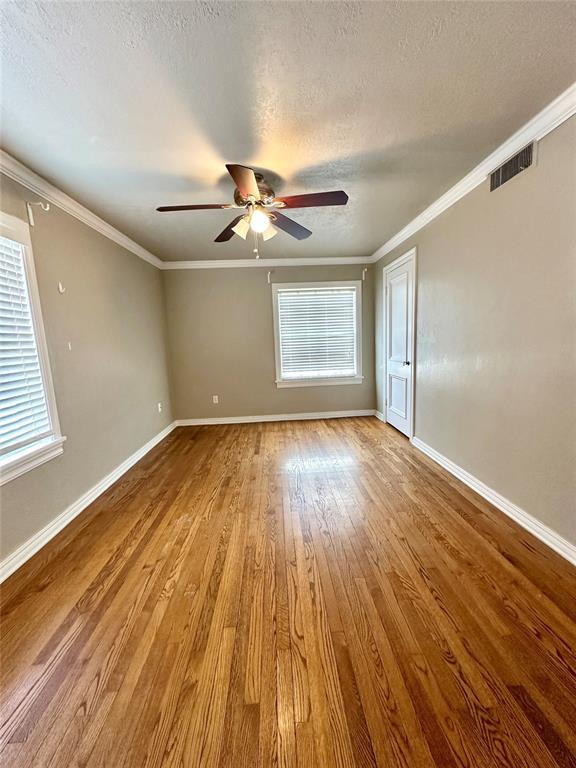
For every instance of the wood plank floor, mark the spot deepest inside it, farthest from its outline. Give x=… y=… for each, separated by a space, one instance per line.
x=290 y=594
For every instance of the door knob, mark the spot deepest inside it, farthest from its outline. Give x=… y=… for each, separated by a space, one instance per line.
x=406 y=362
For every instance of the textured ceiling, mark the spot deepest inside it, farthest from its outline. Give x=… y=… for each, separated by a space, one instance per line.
x=127 y=106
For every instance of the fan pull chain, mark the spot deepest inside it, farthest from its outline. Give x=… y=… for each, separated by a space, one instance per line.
x=255 y=249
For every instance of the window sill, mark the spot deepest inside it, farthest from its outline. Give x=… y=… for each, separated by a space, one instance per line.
x=28 y=458
x=319 y=382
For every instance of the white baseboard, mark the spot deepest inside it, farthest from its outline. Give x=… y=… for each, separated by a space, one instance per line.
x=271 y=417
x=523 y=518
x=42 y=537
x=380 y=415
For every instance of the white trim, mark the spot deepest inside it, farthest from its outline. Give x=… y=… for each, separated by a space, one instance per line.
x=42 y=537
x=51 y=445
x=329 y=380
x=14 y=228
x=319 y=261
x=35 y=183
x=272 y=417
x=547 y=120
x=38 y=323
x=31 y=456
x=520 y=516
x=406 y=258
x=380 y=415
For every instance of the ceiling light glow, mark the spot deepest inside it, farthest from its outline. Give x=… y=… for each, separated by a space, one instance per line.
x=259 y=221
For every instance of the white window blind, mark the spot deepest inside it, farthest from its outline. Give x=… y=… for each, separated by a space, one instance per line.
x=24 y=414
x=317 y=332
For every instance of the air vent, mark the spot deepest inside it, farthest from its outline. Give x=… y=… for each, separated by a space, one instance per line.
x=512 y=167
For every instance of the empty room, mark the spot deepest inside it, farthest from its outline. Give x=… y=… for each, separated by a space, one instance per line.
x=284 y=289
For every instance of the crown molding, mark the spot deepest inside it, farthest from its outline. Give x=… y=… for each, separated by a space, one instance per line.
x=559 y=110
x=266 y=263
x=16 y=170
x=35 y=183
x=535 y=129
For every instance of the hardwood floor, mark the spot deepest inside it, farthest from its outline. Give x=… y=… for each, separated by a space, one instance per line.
x=290 y=594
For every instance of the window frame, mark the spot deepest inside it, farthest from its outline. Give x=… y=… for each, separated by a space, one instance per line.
x=27 y=457
x=327 y=380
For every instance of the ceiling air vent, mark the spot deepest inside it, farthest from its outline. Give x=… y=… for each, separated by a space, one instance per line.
x=512 y=167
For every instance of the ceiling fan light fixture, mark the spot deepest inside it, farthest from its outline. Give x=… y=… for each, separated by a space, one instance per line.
x=242 y=228
x=268 y=233
x=259 y=221
x=253 y=195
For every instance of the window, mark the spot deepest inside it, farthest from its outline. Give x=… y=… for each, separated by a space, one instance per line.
x=29 y=428
x=318 y=333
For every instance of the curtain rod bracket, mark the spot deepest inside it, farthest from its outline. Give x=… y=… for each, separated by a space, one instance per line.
x=45 y=207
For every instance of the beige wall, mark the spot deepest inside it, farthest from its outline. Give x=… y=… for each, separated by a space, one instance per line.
x=496 y=346
x=221 y=341
x=496 y=334
x=108 y=386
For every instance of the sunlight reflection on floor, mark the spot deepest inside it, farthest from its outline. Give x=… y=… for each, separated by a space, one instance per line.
x=312 y=464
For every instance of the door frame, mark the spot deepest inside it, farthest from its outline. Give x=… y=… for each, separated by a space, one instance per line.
x=409 y=256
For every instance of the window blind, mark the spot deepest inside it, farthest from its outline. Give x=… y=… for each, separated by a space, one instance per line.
x=317 y=332
x=24 y=416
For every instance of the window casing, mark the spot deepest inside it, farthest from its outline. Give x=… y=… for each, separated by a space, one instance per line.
x=318 y=333
x=29 y=427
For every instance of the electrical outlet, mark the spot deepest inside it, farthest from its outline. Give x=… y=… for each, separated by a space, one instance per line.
x=159 y=407
x=215 y=399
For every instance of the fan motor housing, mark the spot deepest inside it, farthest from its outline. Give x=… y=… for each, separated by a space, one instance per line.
x=266 y=192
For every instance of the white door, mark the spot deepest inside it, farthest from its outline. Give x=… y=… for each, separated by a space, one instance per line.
x=399 y=281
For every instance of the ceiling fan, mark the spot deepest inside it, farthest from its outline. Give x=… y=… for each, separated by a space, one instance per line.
x=261 y=207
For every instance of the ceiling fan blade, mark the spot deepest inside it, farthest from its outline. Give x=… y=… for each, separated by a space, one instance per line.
x=290 y=226
x=227 y=233
x=245 y=180
x=164 y=208
x=314 y=199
